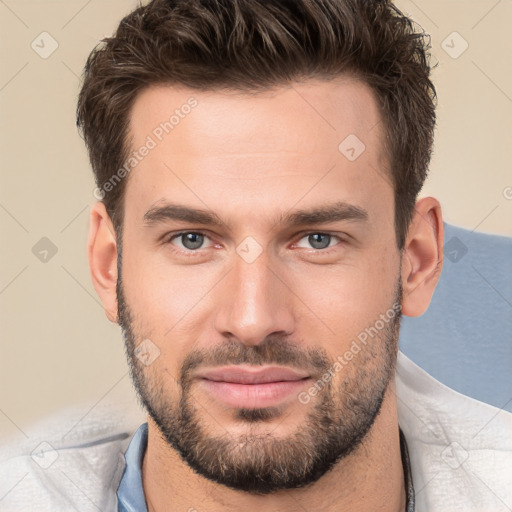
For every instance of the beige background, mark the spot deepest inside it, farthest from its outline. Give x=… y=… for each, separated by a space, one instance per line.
x=57 y=348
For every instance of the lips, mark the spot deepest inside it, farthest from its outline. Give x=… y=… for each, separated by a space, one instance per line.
x=251 y=386
x=252 y=374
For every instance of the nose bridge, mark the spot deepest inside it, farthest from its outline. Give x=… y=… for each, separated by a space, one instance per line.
x=254 y=302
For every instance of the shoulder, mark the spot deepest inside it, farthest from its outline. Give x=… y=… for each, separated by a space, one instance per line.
x=73 y=459
x=460 y=448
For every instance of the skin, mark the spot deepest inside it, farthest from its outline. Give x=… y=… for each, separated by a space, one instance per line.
x=251 y=159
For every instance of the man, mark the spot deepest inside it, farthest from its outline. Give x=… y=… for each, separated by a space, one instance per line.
x=258 y=166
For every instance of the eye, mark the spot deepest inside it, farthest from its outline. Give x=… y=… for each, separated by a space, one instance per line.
x=189 y=240
x=319 y=241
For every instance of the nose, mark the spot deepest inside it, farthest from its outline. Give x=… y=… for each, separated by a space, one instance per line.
x=254 y=302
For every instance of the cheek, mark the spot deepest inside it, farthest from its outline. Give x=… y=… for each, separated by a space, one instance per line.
x=169 y=304
x=341 y=302
x=160 y=291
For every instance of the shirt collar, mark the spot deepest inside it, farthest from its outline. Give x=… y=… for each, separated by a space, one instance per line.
x=130 y=493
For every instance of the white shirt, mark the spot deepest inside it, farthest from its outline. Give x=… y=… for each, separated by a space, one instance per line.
x=460 y=451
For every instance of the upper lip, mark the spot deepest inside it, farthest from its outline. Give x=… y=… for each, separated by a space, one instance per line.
x=252 y=374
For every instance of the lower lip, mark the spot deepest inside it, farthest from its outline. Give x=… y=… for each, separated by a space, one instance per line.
x=253 y=395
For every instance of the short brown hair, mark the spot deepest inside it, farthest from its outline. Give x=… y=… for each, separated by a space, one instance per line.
x=254 y=45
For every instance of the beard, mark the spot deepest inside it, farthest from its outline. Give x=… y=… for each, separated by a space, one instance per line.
x=337 y=422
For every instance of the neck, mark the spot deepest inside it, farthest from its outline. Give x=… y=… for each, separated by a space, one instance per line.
x=371 y=478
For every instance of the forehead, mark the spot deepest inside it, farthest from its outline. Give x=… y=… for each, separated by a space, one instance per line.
x=227 y=149
x=231 y=118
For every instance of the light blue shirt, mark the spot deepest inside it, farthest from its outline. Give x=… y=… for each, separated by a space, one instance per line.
x=130 y=493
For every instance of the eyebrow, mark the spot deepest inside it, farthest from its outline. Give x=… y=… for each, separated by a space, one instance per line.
x=340 y=211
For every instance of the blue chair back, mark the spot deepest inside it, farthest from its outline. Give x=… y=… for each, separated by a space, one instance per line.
x=464 y=339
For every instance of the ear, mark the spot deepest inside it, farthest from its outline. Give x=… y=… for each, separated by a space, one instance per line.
x=422 y=257
x=102 y=252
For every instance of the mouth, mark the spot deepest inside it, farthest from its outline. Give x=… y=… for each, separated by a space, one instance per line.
x=252 y=386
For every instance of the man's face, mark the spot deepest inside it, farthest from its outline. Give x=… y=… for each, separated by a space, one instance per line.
x=270 y=286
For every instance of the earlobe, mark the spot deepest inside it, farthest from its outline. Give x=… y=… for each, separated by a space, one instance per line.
x=102 y=253
x=422 y=257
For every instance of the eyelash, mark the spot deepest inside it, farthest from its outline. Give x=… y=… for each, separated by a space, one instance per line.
x=192 y=253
